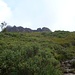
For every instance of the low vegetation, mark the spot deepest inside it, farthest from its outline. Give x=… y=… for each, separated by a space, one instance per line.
x=35 y=53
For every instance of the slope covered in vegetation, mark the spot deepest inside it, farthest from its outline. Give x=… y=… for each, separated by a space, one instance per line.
x=35 y=53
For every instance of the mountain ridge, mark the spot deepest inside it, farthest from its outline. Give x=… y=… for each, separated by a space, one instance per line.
x=21 y=29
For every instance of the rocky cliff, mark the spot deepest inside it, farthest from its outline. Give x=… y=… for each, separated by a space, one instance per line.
x=21 y=29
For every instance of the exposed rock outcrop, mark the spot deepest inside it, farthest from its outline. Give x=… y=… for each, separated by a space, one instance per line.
x=68 y=67
x=21 y=29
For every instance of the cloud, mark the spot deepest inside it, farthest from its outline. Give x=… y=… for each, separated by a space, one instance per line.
x=5 y=11
x=66 y=16
x=34 y=13
x=55 y=14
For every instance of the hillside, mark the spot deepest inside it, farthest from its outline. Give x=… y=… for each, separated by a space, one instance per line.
x=35 y=53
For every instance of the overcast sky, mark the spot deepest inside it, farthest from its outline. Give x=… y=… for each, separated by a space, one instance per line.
x=54 y=14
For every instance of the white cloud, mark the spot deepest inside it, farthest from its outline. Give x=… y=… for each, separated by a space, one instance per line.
x=66 y=16
x=5 y=12
x=55 y=14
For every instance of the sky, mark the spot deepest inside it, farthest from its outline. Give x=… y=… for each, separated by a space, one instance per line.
x=54 y=14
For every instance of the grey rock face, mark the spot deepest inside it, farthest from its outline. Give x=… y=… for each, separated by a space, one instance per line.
x=21 y=29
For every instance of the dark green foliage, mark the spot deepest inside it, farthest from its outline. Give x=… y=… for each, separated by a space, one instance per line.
x=3 y=26
x=35 y=53
x=4 y=30
x=73 y=64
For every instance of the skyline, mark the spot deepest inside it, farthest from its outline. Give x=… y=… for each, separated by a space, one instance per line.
x=54 y=14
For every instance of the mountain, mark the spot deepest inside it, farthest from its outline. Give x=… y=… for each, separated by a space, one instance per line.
x=21 y=29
